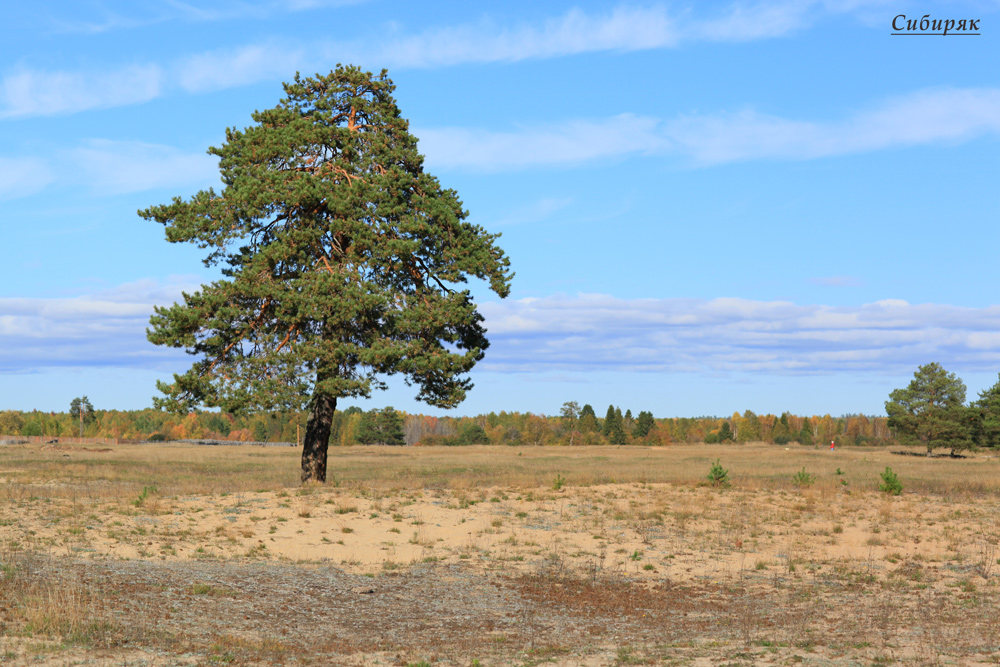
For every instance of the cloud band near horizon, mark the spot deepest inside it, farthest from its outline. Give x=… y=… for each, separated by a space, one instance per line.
x=583 y=333
x=598 y=332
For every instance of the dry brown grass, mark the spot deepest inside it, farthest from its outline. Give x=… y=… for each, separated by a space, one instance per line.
x=38 y=599
x=180 y=469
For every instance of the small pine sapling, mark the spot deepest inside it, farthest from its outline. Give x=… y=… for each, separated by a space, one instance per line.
x=890 y=483
x=718 y=475
x=802 y=479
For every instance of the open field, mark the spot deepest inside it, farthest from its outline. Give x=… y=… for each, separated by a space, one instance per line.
x=187 y=555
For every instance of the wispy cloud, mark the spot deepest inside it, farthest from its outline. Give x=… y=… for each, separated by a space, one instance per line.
x=928 y=116
x=943 y=115
x=116 y=167
x=226 y=68
x=596 y=332
x=28 y=92
x=571 y=142
x=108 y=167
x=624 y=29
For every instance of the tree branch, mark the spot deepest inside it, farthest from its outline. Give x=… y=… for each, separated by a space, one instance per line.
x=285 y=340
x=253 y=325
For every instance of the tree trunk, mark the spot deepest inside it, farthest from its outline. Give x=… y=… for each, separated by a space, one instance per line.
x=317 y=438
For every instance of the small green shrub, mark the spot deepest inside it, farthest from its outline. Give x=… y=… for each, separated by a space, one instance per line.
x=890 y=483
x=147 y=491
x=718 y=475
x=559 y=482
x=802 y=479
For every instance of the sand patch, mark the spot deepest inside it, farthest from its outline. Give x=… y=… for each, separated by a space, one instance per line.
x=652 y=532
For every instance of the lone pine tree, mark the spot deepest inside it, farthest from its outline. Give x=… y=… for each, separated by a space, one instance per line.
x=341 y=260
x=82 y=409
x=931 y=410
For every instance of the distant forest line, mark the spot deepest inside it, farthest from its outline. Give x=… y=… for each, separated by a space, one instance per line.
x=575 y=426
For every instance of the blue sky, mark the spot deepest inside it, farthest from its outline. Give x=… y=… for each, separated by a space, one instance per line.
x=710 y=207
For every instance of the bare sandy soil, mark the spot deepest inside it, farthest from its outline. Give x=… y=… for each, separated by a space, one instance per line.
x=608 y=574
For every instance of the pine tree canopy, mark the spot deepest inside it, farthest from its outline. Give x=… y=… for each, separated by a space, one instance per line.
x=644 y=423
x=82 y=408
x=342 y=261
x=931 y=410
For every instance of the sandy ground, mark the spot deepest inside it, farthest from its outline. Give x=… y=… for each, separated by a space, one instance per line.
x=599 y=575
x=653 y=533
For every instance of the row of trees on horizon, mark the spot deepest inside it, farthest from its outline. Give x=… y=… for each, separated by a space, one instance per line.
x=575 y=425
x=931 y=412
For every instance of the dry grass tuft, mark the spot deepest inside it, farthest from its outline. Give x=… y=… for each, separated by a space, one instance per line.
x=42 y=602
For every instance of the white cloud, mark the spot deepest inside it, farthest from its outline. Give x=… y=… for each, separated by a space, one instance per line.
x=27 y=92
x=115 y=167
x=944 y=115
x=596 y=332
x=571 y=142
x=226 y=68
x=624 y=29
x=923 y=117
